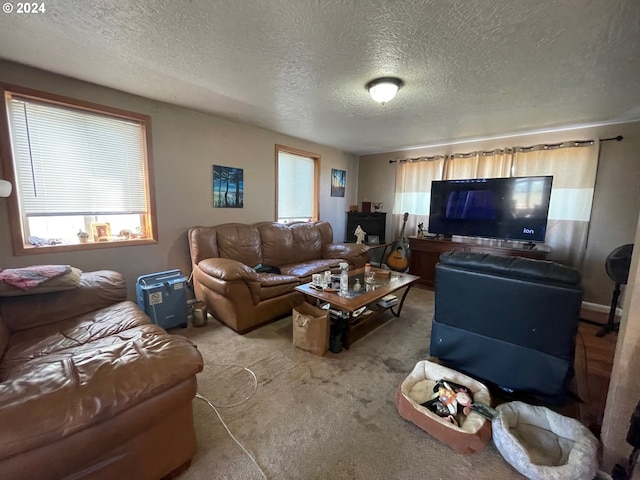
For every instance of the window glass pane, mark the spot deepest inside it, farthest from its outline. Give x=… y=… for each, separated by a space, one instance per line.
x=75 y=162
x=77 y=165
x=63 y=230
x=296 y=187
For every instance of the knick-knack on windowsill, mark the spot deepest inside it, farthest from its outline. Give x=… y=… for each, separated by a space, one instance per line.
x=83 y=236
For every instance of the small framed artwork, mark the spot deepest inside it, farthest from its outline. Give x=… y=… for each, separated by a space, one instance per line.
x=338 y=182
x=101 y=232
x=228 y=187
x=373 y=239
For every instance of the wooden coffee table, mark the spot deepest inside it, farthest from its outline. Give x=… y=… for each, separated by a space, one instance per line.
x=387 y=282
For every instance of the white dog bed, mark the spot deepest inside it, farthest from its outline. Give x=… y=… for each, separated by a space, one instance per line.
x=472 y=435
x=544 y=445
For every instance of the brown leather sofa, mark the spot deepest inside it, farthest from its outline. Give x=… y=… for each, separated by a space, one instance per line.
x=224 y=258
x=90 y=389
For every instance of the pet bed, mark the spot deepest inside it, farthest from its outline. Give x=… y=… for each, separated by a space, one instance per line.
x=544 y=445
x=472 y=434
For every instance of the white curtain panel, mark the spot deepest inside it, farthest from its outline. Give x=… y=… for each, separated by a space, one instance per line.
x=574 y=177
x=572 y=164
x=413 y=193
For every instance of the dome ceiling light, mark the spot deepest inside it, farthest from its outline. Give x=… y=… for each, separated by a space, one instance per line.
x=384 y=89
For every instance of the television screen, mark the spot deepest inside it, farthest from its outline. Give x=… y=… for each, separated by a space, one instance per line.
x=514 y=208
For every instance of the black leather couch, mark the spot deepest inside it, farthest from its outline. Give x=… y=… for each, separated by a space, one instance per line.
x=509 y=321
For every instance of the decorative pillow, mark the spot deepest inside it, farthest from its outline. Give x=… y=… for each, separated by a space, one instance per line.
x=66 y=281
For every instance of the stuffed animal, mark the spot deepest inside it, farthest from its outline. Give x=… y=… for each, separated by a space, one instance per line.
x=447 y=397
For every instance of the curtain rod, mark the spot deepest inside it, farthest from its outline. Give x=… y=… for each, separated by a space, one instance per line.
x=619 y=138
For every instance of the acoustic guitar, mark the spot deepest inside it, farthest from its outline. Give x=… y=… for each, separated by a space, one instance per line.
x=398 y=259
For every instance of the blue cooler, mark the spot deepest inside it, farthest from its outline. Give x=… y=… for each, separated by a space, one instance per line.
x=163 y=296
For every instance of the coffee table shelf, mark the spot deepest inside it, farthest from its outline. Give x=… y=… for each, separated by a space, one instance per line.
x=386 y=283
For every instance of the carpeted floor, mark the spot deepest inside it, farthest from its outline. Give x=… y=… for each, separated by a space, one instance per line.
x=330 y=417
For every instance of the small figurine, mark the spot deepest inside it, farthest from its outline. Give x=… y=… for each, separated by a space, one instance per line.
x=421 y=230
x=360 y=234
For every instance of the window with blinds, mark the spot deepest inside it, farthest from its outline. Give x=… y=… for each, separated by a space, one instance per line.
x=76 y=167
x=297 y=187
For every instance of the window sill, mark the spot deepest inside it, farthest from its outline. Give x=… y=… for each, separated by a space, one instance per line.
x=76 y=247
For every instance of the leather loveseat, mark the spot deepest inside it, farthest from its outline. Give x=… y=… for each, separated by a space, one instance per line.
x=224 y=259
x=90 y=389
x=509 y=321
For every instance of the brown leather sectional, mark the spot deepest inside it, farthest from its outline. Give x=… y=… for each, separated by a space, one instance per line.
x=89 y=388
x=224 y=258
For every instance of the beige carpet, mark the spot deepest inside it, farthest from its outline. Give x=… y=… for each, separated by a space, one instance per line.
x=330 y=417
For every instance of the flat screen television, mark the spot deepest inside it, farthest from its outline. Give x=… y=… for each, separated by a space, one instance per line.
x=514 y=208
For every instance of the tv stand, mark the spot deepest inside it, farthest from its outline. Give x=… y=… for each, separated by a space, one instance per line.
x=425 y=253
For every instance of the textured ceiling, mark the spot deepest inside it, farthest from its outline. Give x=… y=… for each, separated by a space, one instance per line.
x=472 y=68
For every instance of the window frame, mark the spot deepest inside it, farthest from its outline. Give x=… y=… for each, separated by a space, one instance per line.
x=16 y=227
x=316 y=178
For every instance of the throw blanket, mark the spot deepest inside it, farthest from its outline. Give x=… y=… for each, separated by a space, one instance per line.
x=29 y=277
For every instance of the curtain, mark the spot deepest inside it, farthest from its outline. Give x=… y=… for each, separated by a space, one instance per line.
x=413 y=193
x=574 y=176
x=487 y=164
x=572 y=164
x=491 y=164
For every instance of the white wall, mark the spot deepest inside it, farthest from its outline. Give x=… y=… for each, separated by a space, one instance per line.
x=186 y=144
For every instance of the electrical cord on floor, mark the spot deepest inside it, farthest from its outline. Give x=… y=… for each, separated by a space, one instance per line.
x=215 y=409
x=586 y=366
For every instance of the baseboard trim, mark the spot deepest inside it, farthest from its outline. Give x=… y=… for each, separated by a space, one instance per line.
x=597 y=314
x=596 y=307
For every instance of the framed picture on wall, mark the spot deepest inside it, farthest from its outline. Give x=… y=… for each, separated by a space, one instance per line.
x=228 y=187
x=338 y=182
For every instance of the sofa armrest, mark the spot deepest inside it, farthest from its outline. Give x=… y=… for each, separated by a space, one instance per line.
x=97 y=290
x=228 y=278
x=354 y=253
x=227 y=269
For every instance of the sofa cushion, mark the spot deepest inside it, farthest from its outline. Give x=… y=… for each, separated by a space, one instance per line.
x=307 y=242
x=56 y=395
x=304 y=270
x=277 y=243
x=274 y=285
x=522 y=268
x=97 y=290
x=240 y=242
x=33 y=343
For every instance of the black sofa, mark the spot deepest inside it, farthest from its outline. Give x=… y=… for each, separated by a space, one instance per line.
x=509 y=321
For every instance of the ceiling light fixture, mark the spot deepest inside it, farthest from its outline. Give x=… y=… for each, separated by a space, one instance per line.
x=384 y=89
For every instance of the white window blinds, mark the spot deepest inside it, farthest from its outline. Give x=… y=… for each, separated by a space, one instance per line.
x=76 y=162
x=296 y=187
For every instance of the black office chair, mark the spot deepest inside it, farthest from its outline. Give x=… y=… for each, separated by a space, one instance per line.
x=617 y=266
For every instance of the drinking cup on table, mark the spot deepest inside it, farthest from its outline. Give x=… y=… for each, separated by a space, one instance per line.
x=317 y=281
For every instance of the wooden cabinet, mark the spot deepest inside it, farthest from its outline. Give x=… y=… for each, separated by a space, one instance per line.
x=374 y=223
x=425 y=253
